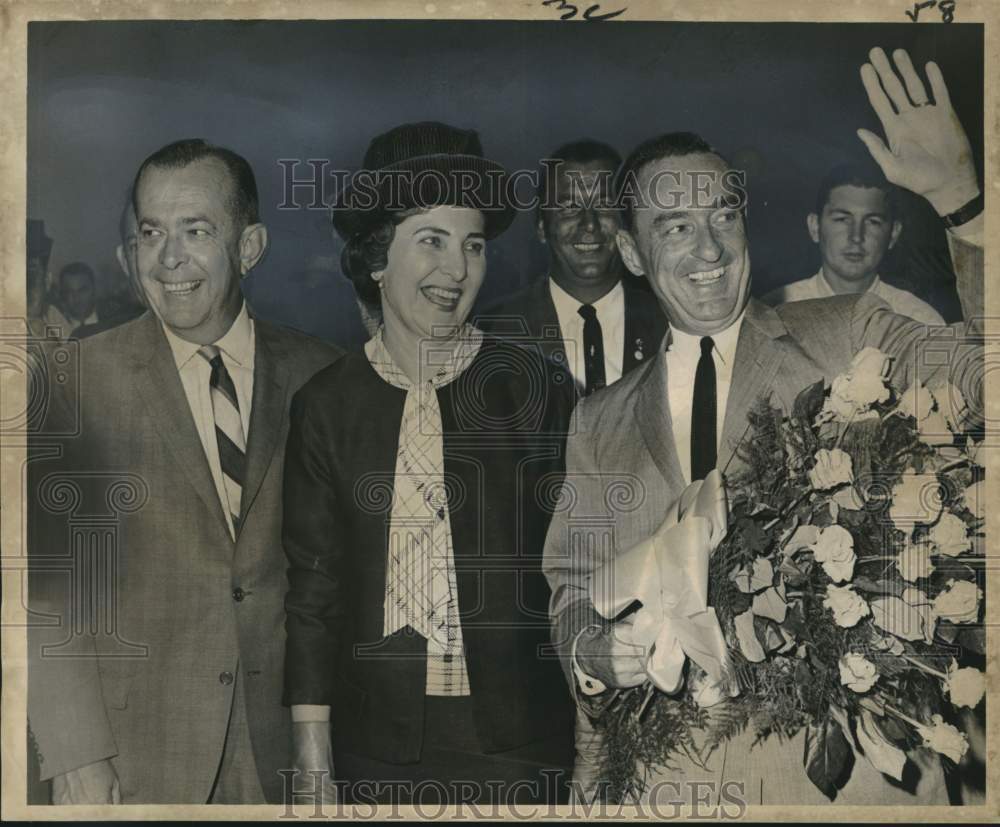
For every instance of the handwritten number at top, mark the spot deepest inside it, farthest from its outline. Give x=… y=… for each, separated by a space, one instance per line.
x=569 y=11
x=946 y=7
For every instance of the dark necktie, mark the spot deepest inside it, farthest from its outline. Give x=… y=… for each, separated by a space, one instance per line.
x=228 y=431
x=593 y=348
x=703 y=414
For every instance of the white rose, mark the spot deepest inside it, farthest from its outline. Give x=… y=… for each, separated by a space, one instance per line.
x=950 y=535
x=974 y=498
x=965 y=687
x=916 y=498
x=959 y=603
x=832 y=468
x=916 y=402
x=847 y=605
x=933 y=429
x=869 y=371
x=835 y=551
x=914 y=562
x=944 y=738
x=857 y=673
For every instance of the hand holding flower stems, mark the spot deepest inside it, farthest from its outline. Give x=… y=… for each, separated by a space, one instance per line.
x=928 y=151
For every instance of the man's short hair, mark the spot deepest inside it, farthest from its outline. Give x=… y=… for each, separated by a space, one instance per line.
x=77 y=268
x=128 y=210
x=583 y=151
x=857 y=175
x=670 y=144
x=244 y=202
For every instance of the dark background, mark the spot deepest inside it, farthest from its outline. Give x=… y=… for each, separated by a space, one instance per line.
x=781 y=100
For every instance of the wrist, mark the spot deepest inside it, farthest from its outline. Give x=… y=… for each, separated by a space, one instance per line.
x=949 y=200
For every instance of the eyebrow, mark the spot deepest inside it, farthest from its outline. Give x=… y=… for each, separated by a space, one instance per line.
x=843 y=211
x=664 y=217
x=432 y=229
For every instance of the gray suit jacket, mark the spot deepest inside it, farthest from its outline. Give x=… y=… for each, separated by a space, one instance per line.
x=152 y=608
x=622 y=471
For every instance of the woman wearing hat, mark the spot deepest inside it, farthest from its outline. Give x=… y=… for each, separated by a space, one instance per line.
x=418 y=483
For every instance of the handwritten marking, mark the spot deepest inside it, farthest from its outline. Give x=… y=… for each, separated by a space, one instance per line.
x=569 y=11
x=946 y=7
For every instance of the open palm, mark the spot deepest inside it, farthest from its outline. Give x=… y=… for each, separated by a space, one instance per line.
x=928 y=151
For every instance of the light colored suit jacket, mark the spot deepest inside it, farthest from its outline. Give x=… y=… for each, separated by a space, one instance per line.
x=152 y=608
x=622 y=473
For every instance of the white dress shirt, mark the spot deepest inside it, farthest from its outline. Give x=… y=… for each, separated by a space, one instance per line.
x=610 y=309
x=237 y=350
x=900 y=301
x=682 y=363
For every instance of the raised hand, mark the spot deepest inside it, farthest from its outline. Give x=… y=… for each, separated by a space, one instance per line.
x=95 y=783
x=928 y=151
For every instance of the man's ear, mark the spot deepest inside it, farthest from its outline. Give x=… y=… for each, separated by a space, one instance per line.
x=253 y=245
x=812 y=222
x=629 y=252
x=540 y=228
x=122 y=261
x=897 y=228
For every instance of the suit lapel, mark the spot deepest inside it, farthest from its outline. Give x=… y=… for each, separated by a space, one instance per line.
x=543 y=320
x=759 y=355
x=642 y=335
x=158 y=383
x=652 y=413
x=267 y=411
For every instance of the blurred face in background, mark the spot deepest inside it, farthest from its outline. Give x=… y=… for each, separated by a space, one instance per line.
x=78 y=294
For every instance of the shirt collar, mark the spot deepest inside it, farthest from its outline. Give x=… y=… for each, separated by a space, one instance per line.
x=823 y=288
x=689 y=345
x=456 y=361
x=237 y=343
x=606 y=305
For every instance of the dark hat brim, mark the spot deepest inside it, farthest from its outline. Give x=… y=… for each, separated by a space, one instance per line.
x=425 y=182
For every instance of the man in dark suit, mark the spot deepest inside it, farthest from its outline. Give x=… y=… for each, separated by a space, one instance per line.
x=169 y=688
x=587 y=313
x=685 y=412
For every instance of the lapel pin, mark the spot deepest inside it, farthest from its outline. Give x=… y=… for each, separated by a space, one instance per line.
x=638 y=350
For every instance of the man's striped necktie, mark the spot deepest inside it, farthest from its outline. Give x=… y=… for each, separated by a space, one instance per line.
x=228 y=431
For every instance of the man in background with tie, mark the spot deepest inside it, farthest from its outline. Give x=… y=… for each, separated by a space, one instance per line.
x=685 y=412
x=170 y=689
x=587 y=314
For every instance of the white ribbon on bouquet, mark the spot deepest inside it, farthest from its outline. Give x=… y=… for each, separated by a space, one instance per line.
x=668 y=574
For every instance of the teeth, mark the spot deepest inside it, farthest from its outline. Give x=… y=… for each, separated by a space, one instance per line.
x=444 y=293
x=588 y=248
x=180 y=286
x=707 y=275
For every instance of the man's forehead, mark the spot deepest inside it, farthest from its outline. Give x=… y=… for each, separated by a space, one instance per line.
x=204 y=179
x=847 y=196
x=573 y=174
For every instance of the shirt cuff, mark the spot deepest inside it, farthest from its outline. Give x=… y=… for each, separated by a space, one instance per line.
x=971 y=232
x=588 y=684
x=310 y=713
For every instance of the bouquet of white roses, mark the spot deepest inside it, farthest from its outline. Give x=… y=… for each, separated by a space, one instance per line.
x=847 y=580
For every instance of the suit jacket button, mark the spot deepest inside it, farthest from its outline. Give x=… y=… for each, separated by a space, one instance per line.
x=238 y=594
x=226 y=678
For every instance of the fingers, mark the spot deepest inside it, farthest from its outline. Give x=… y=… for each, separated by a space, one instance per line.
x=880 y=152
x=890 y=82
x=876 y=97
x=914 y=86
x=938 y=88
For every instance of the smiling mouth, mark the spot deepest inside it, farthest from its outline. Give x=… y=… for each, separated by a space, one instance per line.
x=707 y=276
x=445 y=297
x=588 y=248
x=180 y=288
